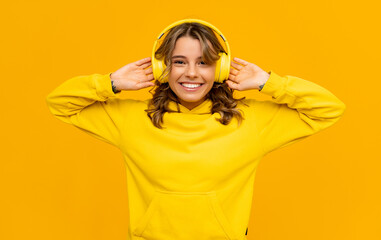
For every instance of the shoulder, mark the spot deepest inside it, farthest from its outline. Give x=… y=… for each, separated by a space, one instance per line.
x=259 y=105
x=127 y=104
x=260 y=109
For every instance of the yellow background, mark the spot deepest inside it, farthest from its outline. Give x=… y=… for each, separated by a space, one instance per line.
x=57 y=182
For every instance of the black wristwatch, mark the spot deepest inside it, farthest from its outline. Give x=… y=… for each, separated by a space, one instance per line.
x=113 y=87
x=261 y=86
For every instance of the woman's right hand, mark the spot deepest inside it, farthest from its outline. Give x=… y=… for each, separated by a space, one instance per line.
x=133 y=76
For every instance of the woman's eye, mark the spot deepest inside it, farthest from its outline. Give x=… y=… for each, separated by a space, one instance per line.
x=182 y=62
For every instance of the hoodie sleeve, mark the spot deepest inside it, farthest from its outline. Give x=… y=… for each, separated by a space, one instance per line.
x=88 y=103
x=299 y=109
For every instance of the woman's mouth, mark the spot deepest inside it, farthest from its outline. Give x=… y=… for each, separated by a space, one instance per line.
x=191 y=86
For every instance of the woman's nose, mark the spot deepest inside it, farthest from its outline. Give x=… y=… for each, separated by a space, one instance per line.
x=191 y=71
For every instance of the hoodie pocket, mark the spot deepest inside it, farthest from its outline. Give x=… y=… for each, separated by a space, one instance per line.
x=185 y=216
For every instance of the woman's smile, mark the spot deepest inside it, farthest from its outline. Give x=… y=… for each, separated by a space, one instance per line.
x=191 y=86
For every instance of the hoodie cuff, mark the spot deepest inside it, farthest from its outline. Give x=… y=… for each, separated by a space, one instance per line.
x=275 y=85
x=103 y=86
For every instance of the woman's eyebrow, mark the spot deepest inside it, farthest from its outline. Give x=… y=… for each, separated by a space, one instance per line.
x=181 y=56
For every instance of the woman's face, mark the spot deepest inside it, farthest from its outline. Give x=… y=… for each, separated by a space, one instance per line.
x=190 y=78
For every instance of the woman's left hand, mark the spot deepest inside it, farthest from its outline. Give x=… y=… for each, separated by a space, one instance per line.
x=246 y=76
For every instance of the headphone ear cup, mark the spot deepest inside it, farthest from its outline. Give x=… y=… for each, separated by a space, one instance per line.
x=222 y=68
x=157 y=68
x=218 y=70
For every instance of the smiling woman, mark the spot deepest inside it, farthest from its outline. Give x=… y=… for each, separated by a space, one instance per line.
x=193 y=177
x=190 y=53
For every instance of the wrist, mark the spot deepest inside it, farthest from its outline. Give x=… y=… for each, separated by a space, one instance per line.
x=261 y=86
x=264 y=81
x=113 y=86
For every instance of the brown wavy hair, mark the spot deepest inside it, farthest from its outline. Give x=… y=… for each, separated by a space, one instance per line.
x=221 y=95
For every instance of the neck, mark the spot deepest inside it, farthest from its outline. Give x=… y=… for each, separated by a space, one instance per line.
x=191 y=105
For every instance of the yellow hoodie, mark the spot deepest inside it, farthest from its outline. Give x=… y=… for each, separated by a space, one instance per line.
x=194 y=178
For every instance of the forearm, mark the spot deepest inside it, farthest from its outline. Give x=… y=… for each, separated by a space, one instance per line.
x=318 y=105
x=78 y=92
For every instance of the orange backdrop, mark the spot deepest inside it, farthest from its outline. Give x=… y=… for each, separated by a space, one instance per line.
x=57 y=182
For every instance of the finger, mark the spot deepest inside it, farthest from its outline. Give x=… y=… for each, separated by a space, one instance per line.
x=241 y=61
x=148 y=71
x=233 y=71
x=236 y=65
x=145 y=84
x=232 y=85
x=150 y=77
x=143 y=61
x=145 y=65
x=232 y=77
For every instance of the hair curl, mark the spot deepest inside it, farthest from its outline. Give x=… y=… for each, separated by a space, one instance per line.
x=221 y=95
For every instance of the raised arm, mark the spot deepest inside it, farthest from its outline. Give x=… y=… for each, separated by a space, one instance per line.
x=90 y=103
x=299 y=108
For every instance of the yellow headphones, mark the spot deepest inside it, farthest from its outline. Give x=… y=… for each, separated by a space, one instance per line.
x=222 y=65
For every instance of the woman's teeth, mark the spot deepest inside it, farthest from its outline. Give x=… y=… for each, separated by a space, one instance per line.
x=190 y=85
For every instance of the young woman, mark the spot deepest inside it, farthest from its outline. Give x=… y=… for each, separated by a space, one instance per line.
x=192 y=150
